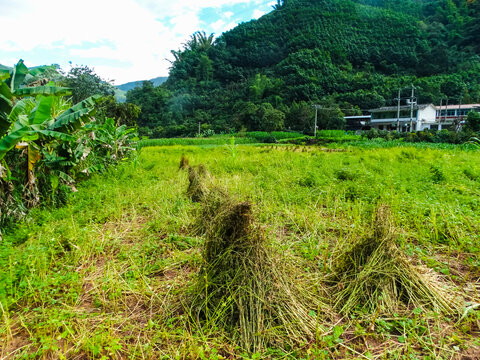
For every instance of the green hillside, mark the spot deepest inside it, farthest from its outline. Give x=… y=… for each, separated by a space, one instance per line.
x=344 y=54
x=133 y=84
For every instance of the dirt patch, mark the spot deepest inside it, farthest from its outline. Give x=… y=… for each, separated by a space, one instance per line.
x=19 y=341
x=472 y=353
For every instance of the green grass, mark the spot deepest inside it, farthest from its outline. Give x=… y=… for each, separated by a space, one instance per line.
x=108 y=275
x=240 y=138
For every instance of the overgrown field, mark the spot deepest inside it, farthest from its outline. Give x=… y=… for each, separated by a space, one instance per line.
x=356 y=253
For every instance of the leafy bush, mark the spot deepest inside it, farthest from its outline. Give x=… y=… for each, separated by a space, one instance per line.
x=437 y=174
x=345 y=174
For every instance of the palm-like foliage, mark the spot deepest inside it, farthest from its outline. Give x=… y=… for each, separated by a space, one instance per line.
x=204 y=41
x=199 y=41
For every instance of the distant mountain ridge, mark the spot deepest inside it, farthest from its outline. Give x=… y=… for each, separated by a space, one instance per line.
x=133 y=84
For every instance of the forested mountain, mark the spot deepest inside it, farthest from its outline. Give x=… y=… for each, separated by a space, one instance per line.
x=133 y=84
x=344 y=54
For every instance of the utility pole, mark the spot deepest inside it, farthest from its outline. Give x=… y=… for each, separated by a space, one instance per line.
x=458 y=124
x=440 y=116
x=316 y=119
x=398 y=110
x=446 y=109
x=412 y=99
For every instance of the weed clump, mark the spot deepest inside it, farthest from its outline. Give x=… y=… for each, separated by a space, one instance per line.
x=437 y=174
x=242 y=287
x=470 y=174
x=345 y=174
x=375 y=275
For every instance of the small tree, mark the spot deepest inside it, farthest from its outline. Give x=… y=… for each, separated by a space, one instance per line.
x=204 y=70
x=270 y=119
x=330 y=117
x=84 y=82
x=473 y=121
x=123 y=113
x=300 y=117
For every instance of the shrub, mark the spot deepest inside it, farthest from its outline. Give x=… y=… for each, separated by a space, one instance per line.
x=437 y=174
x=345 y=174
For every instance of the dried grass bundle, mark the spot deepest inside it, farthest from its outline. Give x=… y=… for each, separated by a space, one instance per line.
x=374 y=274
x=183 y=162
x=243 y=287
x=197 y=188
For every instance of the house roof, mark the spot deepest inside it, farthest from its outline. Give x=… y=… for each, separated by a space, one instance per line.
x=358 y=117
x=403 y=107
x=455 y=107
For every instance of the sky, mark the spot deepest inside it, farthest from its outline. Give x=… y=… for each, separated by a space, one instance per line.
x=122 y=40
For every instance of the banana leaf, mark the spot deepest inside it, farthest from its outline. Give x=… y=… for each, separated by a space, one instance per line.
x=43 y=90
x=34 y=155
x=9 y=141
x=42 y=112
x=57 y=135
x=21 y=107
x=71 y=119
x=5 y=108
x=18 y=75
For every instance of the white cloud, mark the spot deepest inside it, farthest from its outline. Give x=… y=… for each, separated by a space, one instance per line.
x=137 y=34
x=258 y=13
x=104 y=52
x=229 y=26
x=218 y=25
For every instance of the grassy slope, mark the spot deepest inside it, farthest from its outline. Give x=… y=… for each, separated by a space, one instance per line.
x=104 y=275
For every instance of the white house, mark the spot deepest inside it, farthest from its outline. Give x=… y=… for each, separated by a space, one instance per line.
x=453 y=114
x=386 y=118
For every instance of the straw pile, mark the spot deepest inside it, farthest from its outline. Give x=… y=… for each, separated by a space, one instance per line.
x=197 y=188
x=375 y=275
x=242 y=287
x=183 y=163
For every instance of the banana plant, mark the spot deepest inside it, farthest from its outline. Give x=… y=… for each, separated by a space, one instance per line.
x=12 y=89
x=39 y=123
x=32 y=128
x=115 y=139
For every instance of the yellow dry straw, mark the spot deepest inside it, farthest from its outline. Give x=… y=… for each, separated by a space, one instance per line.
x=374 y=274
x=243 y=287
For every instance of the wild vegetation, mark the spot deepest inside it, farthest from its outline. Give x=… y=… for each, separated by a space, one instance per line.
x=48 y=141
x=131 y=267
